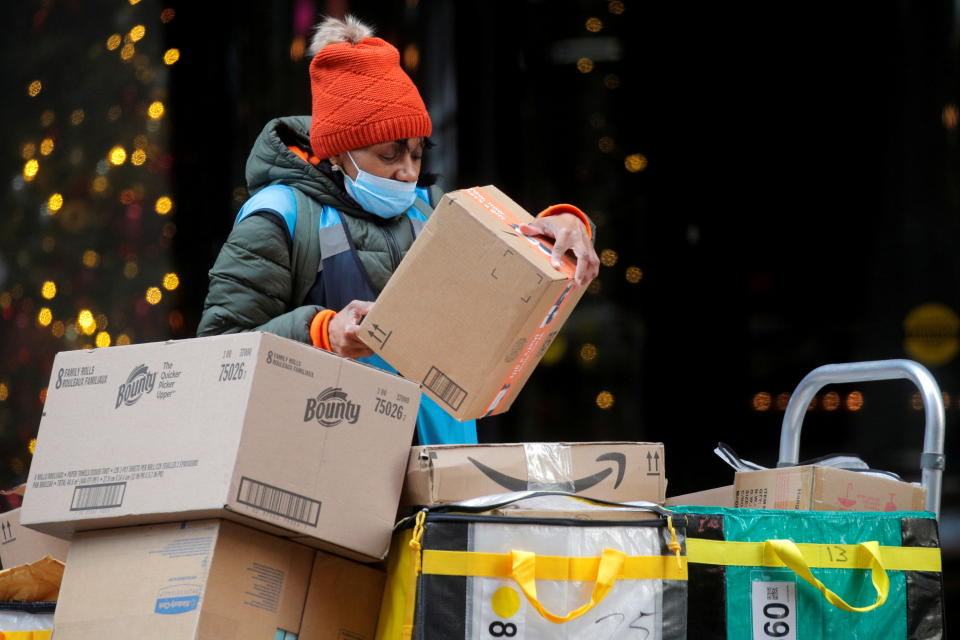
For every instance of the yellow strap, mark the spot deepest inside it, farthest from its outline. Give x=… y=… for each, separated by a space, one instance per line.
x=817 y=556
x=523 y=568
x=791 y=555
x=499 y=565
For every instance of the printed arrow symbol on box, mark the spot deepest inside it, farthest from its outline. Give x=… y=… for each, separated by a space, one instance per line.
x=653 y=462
x=580 y=484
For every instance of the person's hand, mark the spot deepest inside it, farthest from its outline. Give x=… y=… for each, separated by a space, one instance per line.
x=569 y=234
x=345 y=326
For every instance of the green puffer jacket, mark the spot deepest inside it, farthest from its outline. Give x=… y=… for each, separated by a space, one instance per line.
x=254 y=283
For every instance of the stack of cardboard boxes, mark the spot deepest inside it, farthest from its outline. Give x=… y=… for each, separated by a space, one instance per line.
x=206 y=485
x=246 y=486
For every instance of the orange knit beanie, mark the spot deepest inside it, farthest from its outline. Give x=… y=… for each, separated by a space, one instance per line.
x=361 y=95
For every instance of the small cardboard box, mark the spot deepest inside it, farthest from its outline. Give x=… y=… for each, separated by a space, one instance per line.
x=719 y=497
x=613 y=471
x=818 y=488
x=182 y=581
x=20 y=545
x=343 y=602
x=473 y=306
x=250 y=427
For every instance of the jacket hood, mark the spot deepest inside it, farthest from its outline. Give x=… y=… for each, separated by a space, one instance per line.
x=271 y=161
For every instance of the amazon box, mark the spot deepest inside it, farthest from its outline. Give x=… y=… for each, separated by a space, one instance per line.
x=614 y=471
x=183 y=581
x=473 y=305
x=343 y=602
x=818 y=488
x=249 y=427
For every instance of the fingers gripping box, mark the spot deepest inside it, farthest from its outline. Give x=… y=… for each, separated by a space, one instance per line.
x=249 y=427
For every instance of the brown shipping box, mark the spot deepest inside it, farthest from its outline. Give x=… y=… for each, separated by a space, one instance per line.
x=817 y=488
x=20 y=545
x=473 y=306
x=614 y=471
x=250 y=427
x=200 y=580
x=343 y=602
x=719 y=497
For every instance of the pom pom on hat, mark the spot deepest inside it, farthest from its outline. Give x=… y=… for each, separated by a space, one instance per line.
x=361 y=95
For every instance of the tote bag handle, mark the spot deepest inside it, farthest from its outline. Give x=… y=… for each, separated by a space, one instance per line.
x=792 y=557
x=524 y=571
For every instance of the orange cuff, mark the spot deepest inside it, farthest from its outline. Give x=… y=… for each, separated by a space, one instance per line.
x=319 y=335
x=568 y=208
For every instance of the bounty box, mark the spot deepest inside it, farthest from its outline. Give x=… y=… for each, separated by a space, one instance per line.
x=249 y=427
x=473 y=305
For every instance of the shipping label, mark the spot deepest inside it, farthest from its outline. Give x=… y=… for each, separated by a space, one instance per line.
x=774 y=607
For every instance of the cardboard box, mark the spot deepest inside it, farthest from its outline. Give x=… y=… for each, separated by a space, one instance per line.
x=343 y=602
x=614 y=471
x=817 y=488
x=473 y=306
x=719 y=497
x=249 y=427
x=182 y=581
x=20 y=545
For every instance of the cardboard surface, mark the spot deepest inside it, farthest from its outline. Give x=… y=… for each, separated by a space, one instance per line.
x=343 y=601
x=20 y=545
x=816 y=488
x=614 y=471
x=201 y=580
x=473 y=305
x=719 y=497
x=250 y=427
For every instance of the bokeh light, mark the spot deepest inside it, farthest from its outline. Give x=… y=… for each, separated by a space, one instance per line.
x=113 y=42
x=588 y=352
x=584 y=65
x=86 y=322
x=128 y=51
x=171 y=281
x=30 y=169
x=831 y=401
x=155 y=110
x=45 y=316
x=616 y=7
x=171 y=56
x=608 y=257
x=103 y=339
x=605 y=400
x=167 y=15
x=163 y=206
x=117 y=155
x=46 y=146
x=761 y=401
x=4 y=392
x=137 y=33
x=90 y=258
x=854 y=401
x=123 y=339
x=54 y=203
x=634 y=275
x=153 y=295
x=138 y=157
x=48 y=289
x=33 y=90
x=635 y=162
x=594 y=25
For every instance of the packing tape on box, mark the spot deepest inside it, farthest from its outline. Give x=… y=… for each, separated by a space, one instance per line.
x=549 y=467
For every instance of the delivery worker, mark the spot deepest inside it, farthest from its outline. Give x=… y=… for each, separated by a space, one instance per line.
x=337 y=200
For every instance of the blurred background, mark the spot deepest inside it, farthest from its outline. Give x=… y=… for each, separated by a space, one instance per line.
x=776 y=187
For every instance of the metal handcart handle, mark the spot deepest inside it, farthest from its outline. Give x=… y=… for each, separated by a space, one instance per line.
x=932 y=459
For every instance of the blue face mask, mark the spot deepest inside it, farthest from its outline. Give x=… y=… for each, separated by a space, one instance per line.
x=380 y=196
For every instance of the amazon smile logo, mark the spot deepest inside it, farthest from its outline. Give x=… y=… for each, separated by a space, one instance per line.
x=581 y=484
